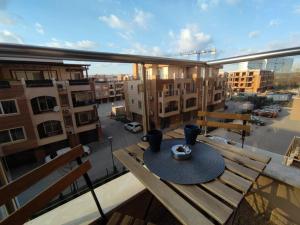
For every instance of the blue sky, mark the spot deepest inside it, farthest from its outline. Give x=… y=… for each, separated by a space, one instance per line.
x=152 y=27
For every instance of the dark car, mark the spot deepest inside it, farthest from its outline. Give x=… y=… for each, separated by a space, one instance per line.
x=256 y=120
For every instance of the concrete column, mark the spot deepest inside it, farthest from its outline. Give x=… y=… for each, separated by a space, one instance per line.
x=145 y=102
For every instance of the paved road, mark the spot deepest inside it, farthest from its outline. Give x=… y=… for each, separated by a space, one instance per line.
x=275 y=136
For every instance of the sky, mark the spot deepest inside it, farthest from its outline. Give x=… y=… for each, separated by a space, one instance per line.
x=152 y=27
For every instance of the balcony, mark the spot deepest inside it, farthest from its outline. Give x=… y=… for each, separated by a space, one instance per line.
x=169 y=109
x=166 y=96
x=266 y=202
x=38 y=83
x=83 y=103
x=190 y=104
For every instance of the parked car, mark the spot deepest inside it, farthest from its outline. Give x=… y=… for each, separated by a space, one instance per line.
x=220 y=139
x=59 y=152
x=256 y=120
x=133 y=127
x=265 y=113
x=275 y=108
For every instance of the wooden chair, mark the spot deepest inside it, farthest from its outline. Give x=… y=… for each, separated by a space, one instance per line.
x=231 y=116
x=19 y=185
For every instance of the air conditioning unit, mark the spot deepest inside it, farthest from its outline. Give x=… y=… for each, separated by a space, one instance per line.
x=65 y=111
x=56 y=108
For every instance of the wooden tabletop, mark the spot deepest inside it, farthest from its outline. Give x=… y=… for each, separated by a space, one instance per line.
x=206 y=203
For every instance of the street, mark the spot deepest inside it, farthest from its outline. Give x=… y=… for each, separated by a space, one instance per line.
x=275 y=136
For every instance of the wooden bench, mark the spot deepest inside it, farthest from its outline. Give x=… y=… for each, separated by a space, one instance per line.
x=120 y=219
x=202 y=121
x=13 y=189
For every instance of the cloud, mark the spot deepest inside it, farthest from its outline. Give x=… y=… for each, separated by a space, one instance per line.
x=141 y=18
x=113 y=21
x=171 y=34
x=204 y=5
x=297 y=9
x=83 y=44
x=254 y=34
x=138 y=48
x=274 y=23
x=6 y=19
x=3 y=4
x=191 y=38
x=39 y=28
x=292 y=41
x=10 y=37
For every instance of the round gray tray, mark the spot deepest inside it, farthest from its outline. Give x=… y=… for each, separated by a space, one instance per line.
x=204 y=165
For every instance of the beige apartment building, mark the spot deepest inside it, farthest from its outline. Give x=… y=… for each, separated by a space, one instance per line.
x=250 y=81
x=109 y=88
x=175 y=93
x=45 y=106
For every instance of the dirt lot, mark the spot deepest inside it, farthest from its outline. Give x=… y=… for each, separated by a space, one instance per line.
x=275 y=136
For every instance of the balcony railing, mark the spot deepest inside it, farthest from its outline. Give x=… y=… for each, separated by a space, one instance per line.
x=79 y=82
x=39 y=83
x=168 y=93
x=4 y=84
x=83 y=103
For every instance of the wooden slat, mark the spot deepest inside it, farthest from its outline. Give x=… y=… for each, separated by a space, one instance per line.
x=115 y=219
x=22 y=183
x=249 y=154
x=235 y=181
x=241 y=170
x=165 y=136
x=223 y=125
x=181 y=209
x=173 y=134
x=127 y=220
x=136 y=151
x=224 y=192
x=212 y=206
x=220 y=115
x=21 y=215
x=143 y=145
x=138 y=222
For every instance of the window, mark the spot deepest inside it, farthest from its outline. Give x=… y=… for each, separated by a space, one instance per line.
x=35 y=75
x=19 y=75
x=76 y=75
x=132 y=101
x=139 y=104
x=68 y=121
x=43 y=104
x=64 y=101
x=131 y=87
x=12 y=135
x=8 y=107
x=49 y=128
x=86 y=117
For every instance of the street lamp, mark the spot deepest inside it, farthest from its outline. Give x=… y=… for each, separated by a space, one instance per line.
x=112 y=157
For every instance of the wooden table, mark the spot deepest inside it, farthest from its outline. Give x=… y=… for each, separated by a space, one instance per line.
x=212 y=202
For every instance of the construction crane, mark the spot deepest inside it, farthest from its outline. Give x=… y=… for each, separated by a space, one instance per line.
x=212 y=51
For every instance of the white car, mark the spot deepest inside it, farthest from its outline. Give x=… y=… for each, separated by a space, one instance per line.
x=133 y=127
x=220 y=139
x=59 y=152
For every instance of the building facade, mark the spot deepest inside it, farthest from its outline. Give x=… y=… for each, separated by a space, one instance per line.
x=45 y=106
x=109 y=88
x=250 y=81
x=277 y=65
x=175 y=93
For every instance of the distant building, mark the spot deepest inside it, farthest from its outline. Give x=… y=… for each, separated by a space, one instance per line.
x=109 y=88
x=175 y=93
x=45 y=104
x=277 y=65
x=250 y=81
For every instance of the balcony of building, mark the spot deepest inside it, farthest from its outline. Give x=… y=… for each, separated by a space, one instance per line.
x=168 y=109
x=190 y=104
x=168 y=95
x=38 y=83
x=82 y=98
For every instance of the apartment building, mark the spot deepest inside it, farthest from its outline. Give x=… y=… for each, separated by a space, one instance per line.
x=251 y=81
x=109 y=88
x=175 y=93
x=45 y=106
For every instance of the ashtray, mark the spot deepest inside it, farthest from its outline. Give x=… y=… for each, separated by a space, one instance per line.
x=181 y=152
